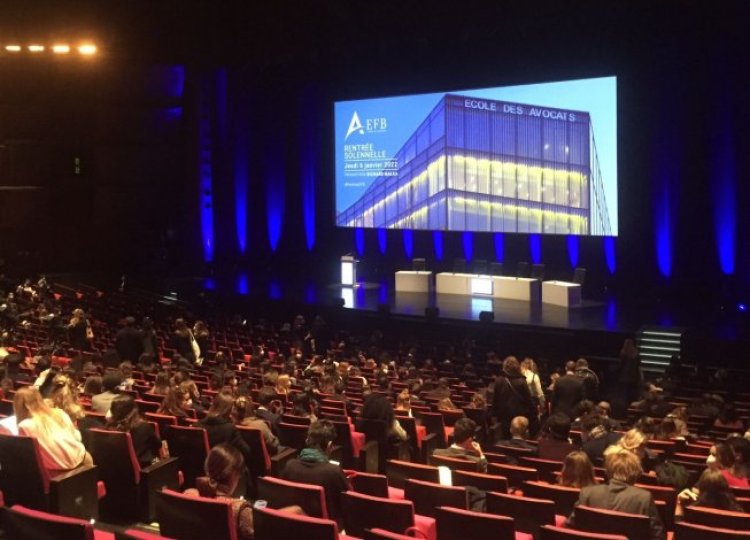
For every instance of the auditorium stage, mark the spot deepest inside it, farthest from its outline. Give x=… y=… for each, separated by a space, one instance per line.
x=611 y=312
x=596 y=328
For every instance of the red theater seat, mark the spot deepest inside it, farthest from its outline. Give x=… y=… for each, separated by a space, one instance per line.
x=23 y=523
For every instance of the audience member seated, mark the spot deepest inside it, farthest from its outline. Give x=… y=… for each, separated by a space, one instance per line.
x=224 y=466
x=63 y=395
x=464 y=446
x=176 y=403
x=161 y=384
x=110 y=383
x=283 y=384
x=124 y=416
x=313 y=467
x=519 y=431
x=219 y=426
x=711 y=491
x=577 y=471
x=619 y=493
x=267 y=408
x=733 y=459
x=446 y=404
x=442 y=390
x=729 y=419
x=59 y=440
x=554 y=443
x=403 y=402
x=596 y=436
x=244 y=415
x=378 y=407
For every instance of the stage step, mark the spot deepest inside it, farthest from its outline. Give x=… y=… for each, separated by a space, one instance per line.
x=657 y=345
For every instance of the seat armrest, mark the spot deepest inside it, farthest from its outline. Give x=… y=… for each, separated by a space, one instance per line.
x=280 y=459
x=74 y=493
x=429 y=443
x=162 y=474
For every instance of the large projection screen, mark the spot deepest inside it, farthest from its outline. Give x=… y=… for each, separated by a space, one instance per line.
x=536 y=158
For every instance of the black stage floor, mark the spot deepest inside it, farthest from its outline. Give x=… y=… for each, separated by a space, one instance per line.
x=618 y=313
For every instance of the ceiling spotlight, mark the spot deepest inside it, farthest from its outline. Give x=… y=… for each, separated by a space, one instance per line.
x=87 y=49
x=36 y=48
x=13 y=48
x=61 y=49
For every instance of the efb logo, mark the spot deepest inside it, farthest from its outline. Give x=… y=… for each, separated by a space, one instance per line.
x=371 y=125
x=355 y=125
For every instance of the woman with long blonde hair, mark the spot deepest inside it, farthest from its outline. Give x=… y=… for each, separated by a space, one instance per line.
x=59 y=440
x=64 y=396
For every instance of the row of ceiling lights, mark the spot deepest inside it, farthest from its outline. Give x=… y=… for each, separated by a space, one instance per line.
x=84 y=49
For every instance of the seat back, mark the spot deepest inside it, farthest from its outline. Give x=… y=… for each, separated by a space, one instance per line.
x=516 y=475
x=454 y=464
x=21 y=523
x=366 y=512
x=190 y=444
x=296 y=420
x=271 y=524
x=434 y=423
x=693 y=531
x=23 y=478
x=634 y=526
x=370 y=484
x=546 y=467
x=280 y=493
x=481 y=266
x=457 y=524
x=398 y=472
x=120 y=471
x=666 y=499
x=537 y=271
x=549 y=532
x=419 y=264
x=529 y=513
x=484 y=482
x=579 y=275
x=515 y=451
x=382 y=534
x=292 y=435
x=565 y=498
x=164 y=421
x=427 y=496
x=260 y=460
x=194 y=518
x=723 y=519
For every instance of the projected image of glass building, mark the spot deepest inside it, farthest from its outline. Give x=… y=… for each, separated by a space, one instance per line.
x=483 y=165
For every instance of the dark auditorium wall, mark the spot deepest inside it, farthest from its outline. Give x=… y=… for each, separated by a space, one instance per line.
x=103 y=144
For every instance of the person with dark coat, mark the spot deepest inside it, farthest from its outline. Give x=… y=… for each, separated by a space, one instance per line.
x=464 y=445
x=597 y=436
x=125 y=417
x=567 y=391
x=512 y=397
x=554 y=444
x=266 y=398
x=619 y=494
x=129 y=341
x=313 y=467
x=219 y=425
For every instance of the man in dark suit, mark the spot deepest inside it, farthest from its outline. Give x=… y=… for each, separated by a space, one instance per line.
x=619 y=494
x=519 y=432
x=129 y=341
x=567 y=391
x=464 y=446
x=266 y=396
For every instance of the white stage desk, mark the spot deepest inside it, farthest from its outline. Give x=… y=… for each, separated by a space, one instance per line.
x=526 y=289
x=413 y=281
x=512 y=288
x=561 y=293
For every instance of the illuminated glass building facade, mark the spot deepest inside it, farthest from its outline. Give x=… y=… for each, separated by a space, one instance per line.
x=483 y=165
